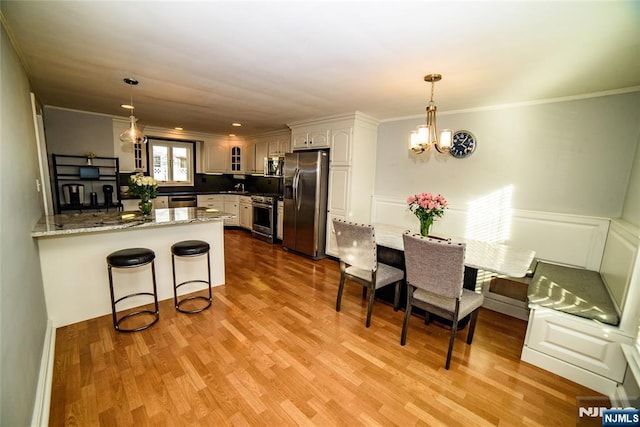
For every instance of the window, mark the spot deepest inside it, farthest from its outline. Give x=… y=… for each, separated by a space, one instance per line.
x=171 y=162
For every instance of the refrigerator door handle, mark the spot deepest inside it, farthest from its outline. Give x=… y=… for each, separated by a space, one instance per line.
x=296 y=187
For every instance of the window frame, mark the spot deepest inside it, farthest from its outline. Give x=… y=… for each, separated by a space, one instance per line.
x=171 y=143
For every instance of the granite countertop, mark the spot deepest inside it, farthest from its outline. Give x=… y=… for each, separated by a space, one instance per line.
x=78 y=223
x=126 y=196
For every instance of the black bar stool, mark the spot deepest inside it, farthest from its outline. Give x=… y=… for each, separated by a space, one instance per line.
x=130 y=258
x=190 y=248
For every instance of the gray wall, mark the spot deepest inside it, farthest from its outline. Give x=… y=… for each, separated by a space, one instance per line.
x=631 y=209
x=76 y=132
x=23 y=315
x=571 y=157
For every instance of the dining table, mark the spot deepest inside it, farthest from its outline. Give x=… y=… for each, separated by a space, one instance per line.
x=495 y=257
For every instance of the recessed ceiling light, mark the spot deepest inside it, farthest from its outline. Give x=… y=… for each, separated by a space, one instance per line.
x=127 y=106
x=178 y=128
x=232 y=134
x=236 y=124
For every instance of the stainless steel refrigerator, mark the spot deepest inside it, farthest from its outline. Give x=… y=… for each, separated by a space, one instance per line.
x=305 y=202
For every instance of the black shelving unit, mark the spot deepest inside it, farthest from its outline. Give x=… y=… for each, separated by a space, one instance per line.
x=92 y=174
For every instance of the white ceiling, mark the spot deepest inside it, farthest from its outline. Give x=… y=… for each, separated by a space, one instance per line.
x=203 y=65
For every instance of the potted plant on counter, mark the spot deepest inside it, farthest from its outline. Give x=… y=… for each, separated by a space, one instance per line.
x=144 y=187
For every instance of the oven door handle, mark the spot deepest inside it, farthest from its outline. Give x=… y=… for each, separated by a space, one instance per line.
x=262 y=205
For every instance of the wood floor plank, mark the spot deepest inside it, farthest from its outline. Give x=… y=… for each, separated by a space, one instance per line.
x=272 y=350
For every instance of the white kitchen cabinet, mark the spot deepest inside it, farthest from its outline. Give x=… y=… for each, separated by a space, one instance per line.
x=280 y=220
x=262 y=149
x=351 y=139
x=232 y=206
x=271 y=144
x=250 y=156
x=309 y=139
x=246 y=213
x=215 y=201
x=160 y=202
x=340 y=152
x=130 y=204
x=235 y=160
x=279 y=146
x=216 y=156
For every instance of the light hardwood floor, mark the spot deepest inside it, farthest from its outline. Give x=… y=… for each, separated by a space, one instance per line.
x=272 y=350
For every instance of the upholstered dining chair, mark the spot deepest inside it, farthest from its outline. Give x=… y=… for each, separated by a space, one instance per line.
x=435 y=274
x=358 y=262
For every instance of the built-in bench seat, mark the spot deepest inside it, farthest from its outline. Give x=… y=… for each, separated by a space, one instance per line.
x=571 y=290
x=579 y=319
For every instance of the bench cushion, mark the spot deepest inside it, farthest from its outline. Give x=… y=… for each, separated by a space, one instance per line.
x=572 y=290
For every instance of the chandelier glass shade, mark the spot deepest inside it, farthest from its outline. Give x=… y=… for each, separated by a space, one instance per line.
x=421 y=139
x=132 y=135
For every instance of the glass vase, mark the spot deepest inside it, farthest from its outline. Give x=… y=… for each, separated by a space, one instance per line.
x=145 y=206
x=425 y=225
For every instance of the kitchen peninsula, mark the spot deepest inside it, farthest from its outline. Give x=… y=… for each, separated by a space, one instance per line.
x=73 y=250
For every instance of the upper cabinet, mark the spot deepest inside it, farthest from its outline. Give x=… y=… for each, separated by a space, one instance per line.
x=309 y=138
x=224 y=156
x=215 y=155
x=279 y=145
x=236 y=153
x=249 y=155
x=351 y=139
x=270 y=144
x=261 y=151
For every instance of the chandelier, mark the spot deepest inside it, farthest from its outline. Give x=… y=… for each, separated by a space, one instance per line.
x=421 y=139
x=133 y=135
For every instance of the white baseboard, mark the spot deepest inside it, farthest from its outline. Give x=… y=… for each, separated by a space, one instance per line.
x=620 y=399
x=40 y=416
x=571 y=372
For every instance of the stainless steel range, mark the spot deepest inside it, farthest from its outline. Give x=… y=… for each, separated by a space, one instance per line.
x=264 y=216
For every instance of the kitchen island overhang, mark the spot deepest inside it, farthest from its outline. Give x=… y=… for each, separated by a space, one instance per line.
x=73 y=250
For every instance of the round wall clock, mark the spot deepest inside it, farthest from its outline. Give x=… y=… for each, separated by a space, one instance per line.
x=464 y=143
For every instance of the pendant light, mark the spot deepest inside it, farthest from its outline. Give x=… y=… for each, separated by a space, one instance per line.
x=421 y=139
x=133 y=135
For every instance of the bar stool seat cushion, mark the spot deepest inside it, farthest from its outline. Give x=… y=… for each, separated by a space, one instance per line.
x=190 y=248
x=131 y=257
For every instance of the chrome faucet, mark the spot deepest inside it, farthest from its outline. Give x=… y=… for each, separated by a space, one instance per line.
x=239 y=187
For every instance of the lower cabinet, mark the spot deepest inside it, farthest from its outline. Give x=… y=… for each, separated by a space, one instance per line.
x=229 y=203
x=160 y=202
x=280 y=220
x=215 y=201
x=246 y=213
x=232 y=206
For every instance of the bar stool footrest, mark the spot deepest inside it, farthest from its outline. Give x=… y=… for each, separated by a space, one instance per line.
x=179 y=302
x=151 y=294
x=141 y=328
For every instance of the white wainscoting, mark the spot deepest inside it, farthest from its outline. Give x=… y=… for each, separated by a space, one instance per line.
x=573 y=240
x=620 y=270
